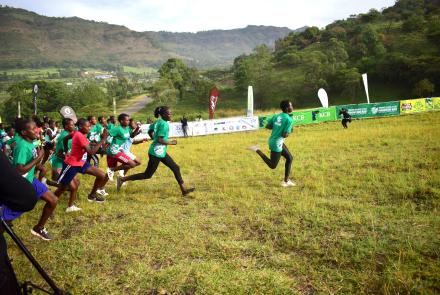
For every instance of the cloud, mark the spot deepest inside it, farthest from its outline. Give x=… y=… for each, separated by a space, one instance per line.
x=199 y=15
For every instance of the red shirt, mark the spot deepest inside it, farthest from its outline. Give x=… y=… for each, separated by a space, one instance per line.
x=78 y=154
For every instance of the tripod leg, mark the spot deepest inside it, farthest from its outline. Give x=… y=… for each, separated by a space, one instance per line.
x=31 y=258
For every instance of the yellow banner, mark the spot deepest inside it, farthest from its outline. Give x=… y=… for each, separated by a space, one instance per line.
x=435 y=103
x=412 y=105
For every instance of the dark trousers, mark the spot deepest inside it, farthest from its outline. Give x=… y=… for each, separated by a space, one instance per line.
x=275 y=158
x=153 y=163
x=345 y=121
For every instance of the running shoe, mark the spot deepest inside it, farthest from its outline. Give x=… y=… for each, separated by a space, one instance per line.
x=110 y=174
x=41 y=233
x=121 y=173
x=94 y=198
x=73 y=208
x=99 y=199
x=102 y=192
x=288 y=183
x=254 y=148
x=188 y=191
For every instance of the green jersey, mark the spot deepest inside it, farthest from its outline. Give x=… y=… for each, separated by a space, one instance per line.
x=161 y=129
x=56 y=161
x=117 y=137
x=110 y=126
x=95 y=133
x=25 y=152
x=281 y=123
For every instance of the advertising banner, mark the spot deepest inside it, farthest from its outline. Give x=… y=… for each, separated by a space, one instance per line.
x=436 y=103
x=229 y=125
x=199 y=128
x=432 y=103
x=368 y=110
x=307 y=116
x=412 y=105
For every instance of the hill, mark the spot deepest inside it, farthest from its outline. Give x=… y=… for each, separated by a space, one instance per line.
x=32 y=40
x=398 y=47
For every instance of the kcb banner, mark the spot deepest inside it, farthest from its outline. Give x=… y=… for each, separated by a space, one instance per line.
x=314 y=116
x=412 y=105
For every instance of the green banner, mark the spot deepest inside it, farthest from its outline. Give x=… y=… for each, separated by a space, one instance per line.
x=306 y=116
x=368 y=110
x=412 y=105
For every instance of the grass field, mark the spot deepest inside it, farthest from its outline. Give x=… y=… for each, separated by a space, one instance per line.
x=363 y=219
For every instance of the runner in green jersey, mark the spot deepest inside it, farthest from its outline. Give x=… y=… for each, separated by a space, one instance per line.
x=281 y=125
x=158 y=152
x=26 y=157
x=118 y=136
x=111 y=123
x=94 y=137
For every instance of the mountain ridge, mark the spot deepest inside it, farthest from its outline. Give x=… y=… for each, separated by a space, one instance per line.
x=30 y=39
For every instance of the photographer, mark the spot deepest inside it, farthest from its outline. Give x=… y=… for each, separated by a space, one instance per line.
x=17 y=194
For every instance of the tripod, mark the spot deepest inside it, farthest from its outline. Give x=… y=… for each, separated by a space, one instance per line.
x=27 y=286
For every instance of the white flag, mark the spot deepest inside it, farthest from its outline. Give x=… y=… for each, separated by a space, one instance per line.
x=323 y=97
x=365 y=79
x=250 y=106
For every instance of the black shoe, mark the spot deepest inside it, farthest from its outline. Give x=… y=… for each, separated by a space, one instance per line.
x=41 y=233
x=188 y=191
x=91 y=198
x=99 y=199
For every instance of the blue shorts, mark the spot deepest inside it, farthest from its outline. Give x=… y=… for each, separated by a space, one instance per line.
x=69 y=172
x=40 y=190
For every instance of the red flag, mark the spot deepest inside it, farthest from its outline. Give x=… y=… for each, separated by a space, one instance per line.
x=213 y=97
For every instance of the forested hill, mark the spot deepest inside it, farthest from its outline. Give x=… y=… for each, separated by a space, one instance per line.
x=399 y=47
x=28 y=39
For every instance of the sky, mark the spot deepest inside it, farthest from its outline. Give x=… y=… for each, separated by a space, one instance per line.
x=202 y=15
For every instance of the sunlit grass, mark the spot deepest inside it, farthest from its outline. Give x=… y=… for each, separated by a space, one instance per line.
x=364 y=218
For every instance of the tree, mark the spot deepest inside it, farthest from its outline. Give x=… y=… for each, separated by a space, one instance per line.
x=423 y=88
x=177 y=72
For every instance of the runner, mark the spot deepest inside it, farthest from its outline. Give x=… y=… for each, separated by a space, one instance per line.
x=281 y=126
x=158 y=152
x=94 y=136
x=57 y=161
x=118 y=137
x=76 y=161
x=135 y=130
x=7 y=142
x=26 y=157
x=111 y=122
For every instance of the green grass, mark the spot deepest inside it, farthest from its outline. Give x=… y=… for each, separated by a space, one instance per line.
x=140 y=70
x=363 y=219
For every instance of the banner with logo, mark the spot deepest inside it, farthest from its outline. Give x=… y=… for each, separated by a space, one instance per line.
x=412 y=105
x=306 y=117
x=435 y=103
x=432 y=103
x=229 y=125
x=367 y=110
x=216 y=126
x=213 y=97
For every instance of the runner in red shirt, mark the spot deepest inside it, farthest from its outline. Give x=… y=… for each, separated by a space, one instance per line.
x=76 y=161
